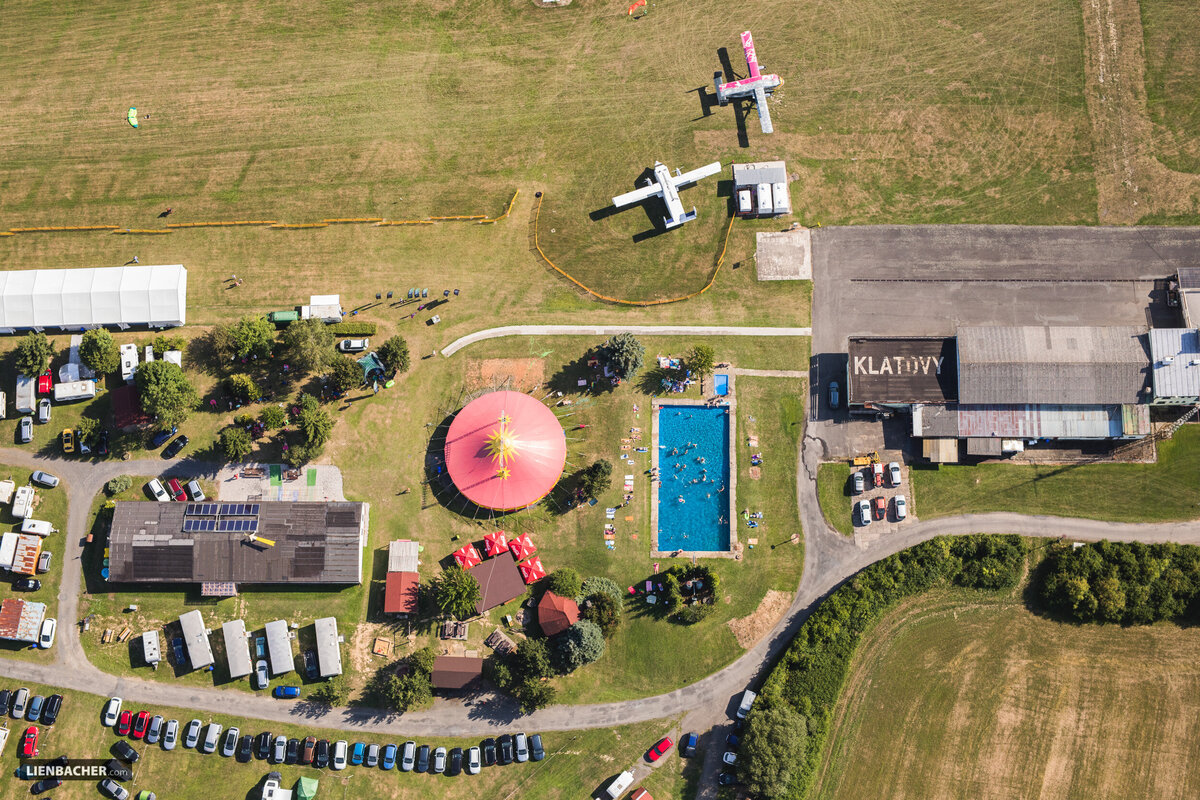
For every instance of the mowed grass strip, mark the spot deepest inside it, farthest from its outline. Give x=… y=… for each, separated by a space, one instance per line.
x=1164 y=491
x=952 y=697
x=836 y=497
x=1172 y=53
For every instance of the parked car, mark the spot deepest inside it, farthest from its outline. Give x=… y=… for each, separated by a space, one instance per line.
x=45 y=382
x=46 y=637
x=372 y=760
x=51 y=709
x=160 y=437
x=341 y=749
x=536 y=752
x=174 y=447
x=880 y=507
x=43 y=409
x=154 y=732
x=124 y=723
x=285 y=692
x=408 y=756
x=195 y=492
x=110 y=788
x=730 y=757
x=309 y=750
x=171 y=734
x=473 y=760
x=155 y=487
x=439 y=760
x=43 y=565
x=5 y=701
x=262 y=745
x=901 y=506
x=45 y=785
x=864 y=512
x=68 y=441
x=423 y=758
x=45 y=479
x=140 y=723
x=279 y=750
x=353 y=345
x=118 y=771
x=245 y=748
x=25 y=430
x=191 y=736
x=521 y=747
x=506 y=749
x=261 y=675
x=125 y=751
x=211 y=737
x=659 y=749
x=310 y=664
x=176 y=490
x=894 y=474
x=81 y=443
x=112 y=710
x=835 y=400
x=488 y=748
x=34 y=712
x=389 y=757
x=321 y=759
x=357 y=753
x=102 y=442
x=454 y=762
x=293 y=751
x=29 y=742
x=687 y=745
x=733 y=740
x=229 y=743
x=726 y=779
x=27 y=585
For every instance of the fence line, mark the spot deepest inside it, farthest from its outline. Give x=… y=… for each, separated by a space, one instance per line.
x=59 y=228
x=618 y=301
x=147 y=231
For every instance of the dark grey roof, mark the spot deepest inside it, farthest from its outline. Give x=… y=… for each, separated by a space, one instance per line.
x=1189 y=277
x=1062 y=365
x=314 y=543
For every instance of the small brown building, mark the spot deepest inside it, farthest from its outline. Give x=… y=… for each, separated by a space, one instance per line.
x=456 y=672
x=556 y=614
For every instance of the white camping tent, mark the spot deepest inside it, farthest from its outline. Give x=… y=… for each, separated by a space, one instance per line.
x=77 y=299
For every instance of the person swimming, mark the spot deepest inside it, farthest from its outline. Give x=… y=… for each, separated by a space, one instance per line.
x=681 y=498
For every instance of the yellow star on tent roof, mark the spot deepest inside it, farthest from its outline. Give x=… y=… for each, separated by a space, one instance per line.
x=503 y=446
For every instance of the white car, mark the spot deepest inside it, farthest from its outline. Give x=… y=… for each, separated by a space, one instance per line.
x=46 y=638
x=211 y=737
x=353 y=345
x=864 y=512
x=156 y=489
x=45 y=479
x=521 y=747
x=229 y=746
x=860 y=482
x=894 y=474
x=473 y=761
x=901 y=507
x=439 y=760
x=191 y=736
x=279 y=750
x=261 y=676
x=730 y=757
x=339 y=754
x=171 y=735
x=195 y=492
x=112 y=711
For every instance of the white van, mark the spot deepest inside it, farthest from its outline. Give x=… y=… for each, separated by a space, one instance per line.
x=38 y=526
x=618 y=787
x=211 y=737
x=747 y=701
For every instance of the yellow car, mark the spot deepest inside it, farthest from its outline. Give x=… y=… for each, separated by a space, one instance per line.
x=68 y=441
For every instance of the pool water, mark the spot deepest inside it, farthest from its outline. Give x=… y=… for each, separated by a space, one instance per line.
x=693 y=462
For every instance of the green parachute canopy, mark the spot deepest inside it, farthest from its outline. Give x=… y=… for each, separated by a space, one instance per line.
x=132 y=116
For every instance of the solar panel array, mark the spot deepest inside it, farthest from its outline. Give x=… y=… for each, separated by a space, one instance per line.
x=221 y=509
x=220 y=525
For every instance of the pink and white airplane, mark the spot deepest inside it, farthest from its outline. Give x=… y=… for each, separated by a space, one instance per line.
x=757 y=85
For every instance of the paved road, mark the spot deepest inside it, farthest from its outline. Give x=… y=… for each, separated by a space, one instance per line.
x=612 y=330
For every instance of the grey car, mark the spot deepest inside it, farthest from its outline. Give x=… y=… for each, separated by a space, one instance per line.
x=191 y=736
x=43 y=411
x=20 y=700
x=45 y=479
x=279 y=750
x=408 y=756
x=154 y=732
x=372 y=756
x=171 y=734
x=25 y=430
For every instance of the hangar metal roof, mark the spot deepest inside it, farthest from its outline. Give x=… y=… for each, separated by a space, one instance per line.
x=902 y=370
x=1179 y=377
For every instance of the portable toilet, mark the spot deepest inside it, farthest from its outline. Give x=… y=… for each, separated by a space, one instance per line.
x=745 y=203
x=764 y=198
x=783 y=204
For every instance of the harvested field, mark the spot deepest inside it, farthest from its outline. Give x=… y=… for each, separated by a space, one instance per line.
x=748 y=630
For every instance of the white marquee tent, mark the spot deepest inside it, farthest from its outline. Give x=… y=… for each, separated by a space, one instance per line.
x=78 y=299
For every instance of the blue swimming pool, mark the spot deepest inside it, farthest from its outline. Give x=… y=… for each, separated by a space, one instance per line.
x=693 y=461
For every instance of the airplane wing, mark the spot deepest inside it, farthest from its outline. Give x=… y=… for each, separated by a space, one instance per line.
x=764 y=111
x=697 y=174
x=751 y=53
x=637 y=195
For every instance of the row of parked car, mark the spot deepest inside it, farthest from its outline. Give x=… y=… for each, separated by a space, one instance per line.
x=320 y=753
x=865 y=510
x=174 y=490
x=19 y=705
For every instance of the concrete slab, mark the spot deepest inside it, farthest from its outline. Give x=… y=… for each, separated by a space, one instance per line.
x=785 y=256
x=232 y=485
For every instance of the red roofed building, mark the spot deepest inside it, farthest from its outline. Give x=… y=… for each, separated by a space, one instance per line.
x=556 y=614
x=400 y=593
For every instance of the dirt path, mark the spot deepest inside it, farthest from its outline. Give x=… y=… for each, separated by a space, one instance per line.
x=1130 y=181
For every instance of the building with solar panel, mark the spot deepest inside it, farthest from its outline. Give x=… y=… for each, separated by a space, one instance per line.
x=222 y=546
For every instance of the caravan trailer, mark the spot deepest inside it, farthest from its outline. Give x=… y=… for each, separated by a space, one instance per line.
x=129 y=361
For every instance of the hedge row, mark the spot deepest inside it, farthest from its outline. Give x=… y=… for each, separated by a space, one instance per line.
x=812 y=672
x=353 y=328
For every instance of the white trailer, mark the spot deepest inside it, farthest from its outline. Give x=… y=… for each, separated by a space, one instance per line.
x=129 y=361
x=25 y=399
x=23 y=502
x=73 y=391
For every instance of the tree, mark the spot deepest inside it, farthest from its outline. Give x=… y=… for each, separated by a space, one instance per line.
x=423 y=660
x=247 y=338
x=408 y=691
x=236 y=443
x=315 y=426
x=242 y=386
x=333 y=692
x=33 y=354
x=700 y=360
x=582 y=644
x=300 y=453
x=531 y=661
x=534 y=695
x=344 y=374
x=771 y=748
x=165 y=392
x=394 y=354
x=596 y=479
x=603 y=610
x=164 y=343
x=456 y=592
x=119 y=484
x=87 y=427
x=625 y=353
x=273 y=417
x=99 y=352
x=308 y=345
x=599 y=584
x=565 y=582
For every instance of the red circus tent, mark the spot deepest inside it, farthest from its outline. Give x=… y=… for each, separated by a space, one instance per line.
x=467 y=556
x=522 y=547
x=496 y=543
x=532 y=570
x=505 y=451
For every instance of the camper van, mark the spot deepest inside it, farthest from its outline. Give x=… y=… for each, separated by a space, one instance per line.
x=24 y=399
x=23 y=502
x=129 y=361
x=38 y=526
x=73 y=391
x=618 y=787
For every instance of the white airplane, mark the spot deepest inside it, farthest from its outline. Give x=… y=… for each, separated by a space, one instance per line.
x=667 y=187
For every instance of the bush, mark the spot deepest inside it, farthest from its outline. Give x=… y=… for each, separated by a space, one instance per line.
x=333 y=692
x=119 y=484
x=236 y=443
x=33 y=354
x=164 y=343
x=99 y=352
x=456 y=592
x=598 y=584
x=531 y=661
x=700 y=360
x=672 y=597
x=774 y=740
x=690 y=615
x=273 y=417
x=242 y=420
x=581 y=644
x=565 y=582
x=624 y=353
x=243 y=387
x=394 y=354
x=344 y=374
x=602 y=609
x=352 y=328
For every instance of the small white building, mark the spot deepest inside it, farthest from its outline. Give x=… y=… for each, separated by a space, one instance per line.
x=279 y=647
x=761 y=189
x=329 y=652
x=237 y=648
x=327 y=307
x=195 y=638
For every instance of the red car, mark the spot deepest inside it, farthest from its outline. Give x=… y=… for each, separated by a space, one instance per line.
x=656 y=752
x=175 y=490
x=140 y=723
x=29 y=747
x=45 y=383
x=880 y=505
x=123 y=723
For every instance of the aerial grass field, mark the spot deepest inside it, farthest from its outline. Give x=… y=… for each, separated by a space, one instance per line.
x=957 y=696
x=1164 y=491
x=834 y=494
x=1172 y=54
x=576 y=761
